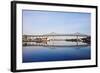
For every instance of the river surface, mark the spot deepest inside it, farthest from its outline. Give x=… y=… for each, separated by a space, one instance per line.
x=51 y=53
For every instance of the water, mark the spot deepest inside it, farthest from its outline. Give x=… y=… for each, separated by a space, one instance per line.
x=60 y=43
x=44 y=54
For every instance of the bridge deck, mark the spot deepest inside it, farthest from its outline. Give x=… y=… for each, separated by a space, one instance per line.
x=51 y=35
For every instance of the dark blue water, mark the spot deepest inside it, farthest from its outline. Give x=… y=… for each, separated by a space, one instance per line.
x=43 y=54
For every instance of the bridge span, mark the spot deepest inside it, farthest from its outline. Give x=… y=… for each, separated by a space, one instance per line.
x=54 y=34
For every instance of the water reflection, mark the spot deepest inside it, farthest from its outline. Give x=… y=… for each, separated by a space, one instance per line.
x=55 y=43
x=55 y=51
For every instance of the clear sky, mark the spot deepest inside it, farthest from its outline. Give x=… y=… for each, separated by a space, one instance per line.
x=43 y=22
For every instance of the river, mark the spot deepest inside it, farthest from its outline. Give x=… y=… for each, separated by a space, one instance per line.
x=54 y=53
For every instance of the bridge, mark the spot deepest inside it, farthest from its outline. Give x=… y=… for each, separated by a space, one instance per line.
x=55 y=34
x=42 y=40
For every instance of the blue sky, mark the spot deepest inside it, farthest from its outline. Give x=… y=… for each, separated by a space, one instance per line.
x=43 y=22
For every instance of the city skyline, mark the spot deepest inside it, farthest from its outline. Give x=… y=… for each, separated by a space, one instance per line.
x=43 y=22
